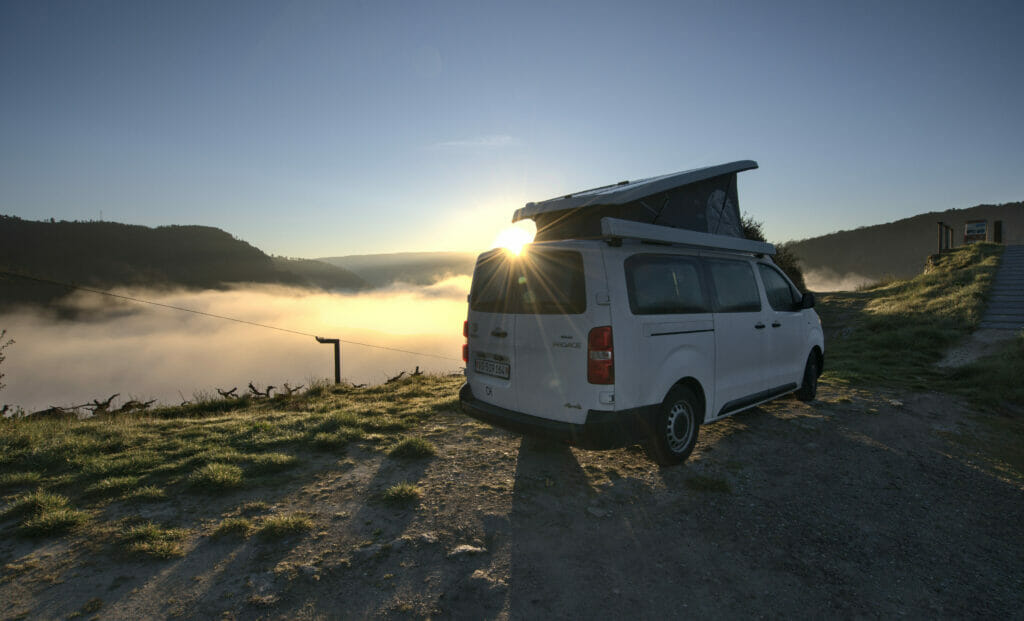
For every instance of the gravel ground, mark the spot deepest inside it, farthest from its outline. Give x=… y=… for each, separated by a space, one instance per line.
x=859 y=504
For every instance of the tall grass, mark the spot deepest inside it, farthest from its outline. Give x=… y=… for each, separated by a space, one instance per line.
x=894 y=333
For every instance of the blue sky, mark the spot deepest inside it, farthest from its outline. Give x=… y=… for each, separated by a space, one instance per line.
x=330 y=128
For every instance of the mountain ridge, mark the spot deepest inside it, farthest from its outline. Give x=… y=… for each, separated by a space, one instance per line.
x=109 y=254
x=899 y=249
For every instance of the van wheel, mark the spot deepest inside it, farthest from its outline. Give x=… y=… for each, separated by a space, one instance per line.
x=809 y=389
x=675 y=432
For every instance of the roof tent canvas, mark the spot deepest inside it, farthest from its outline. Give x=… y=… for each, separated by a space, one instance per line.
x=703 y=200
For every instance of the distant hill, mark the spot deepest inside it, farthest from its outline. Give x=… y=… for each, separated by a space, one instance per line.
x=109 y=254
x=418 y=268
x=897 y=249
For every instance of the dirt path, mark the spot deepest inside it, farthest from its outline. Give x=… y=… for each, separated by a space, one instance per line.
x=858 y=505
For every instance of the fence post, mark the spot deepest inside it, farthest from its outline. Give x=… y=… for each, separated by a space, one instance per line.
x=337 y=356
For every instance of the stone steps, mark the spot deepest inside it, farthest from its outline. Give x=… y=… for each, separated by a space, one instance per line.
x=1006 y=298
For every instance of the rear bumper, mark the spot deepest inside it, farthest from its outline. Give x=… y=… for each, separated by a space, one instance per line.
x=602 y=430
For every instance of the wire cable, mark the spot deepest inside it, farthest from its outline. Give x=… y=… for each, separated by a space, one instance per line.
x=213 y=315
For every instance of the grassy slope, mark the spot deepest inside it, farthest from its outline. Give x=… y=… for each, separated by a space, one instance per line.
x=891 y=335
x=94 y=476
x=894 y=333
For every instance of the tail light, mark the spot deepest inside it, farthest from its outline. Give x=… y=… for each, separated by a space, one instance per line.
x=465 y=346
x=600 y=356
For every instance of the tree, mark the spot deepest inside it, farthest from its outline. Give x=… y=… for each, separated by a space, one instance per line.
x=4 y=345
x=784 y=257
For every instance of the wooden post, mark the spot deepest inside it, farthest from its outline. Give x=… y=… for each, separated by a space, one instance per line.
x=337 y=356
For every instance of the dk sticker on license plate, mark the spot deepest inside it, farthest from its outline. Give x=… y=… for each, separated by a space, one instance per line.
x=492 y=368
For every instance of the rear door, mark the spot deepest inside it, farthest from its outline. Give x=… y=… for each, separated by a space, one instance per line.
x=491 y=331
x=559 y=301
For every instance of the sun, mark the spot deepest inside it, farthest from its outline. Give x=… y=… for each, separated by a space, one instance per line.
x=513 y=239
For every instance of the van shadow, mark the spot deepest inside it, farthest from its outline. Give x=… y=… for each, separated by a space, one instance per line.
x=566 y=535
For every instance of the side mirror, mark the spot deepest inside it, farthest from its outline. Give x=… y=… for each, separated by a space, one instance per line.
x=807 y=301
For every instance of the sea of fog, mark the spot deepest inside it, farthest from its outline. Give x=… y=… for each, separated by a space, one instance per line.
x=147 y=352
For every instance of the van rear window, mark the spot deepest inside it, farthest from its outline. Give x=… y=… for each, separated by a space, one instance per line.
x=538 y=282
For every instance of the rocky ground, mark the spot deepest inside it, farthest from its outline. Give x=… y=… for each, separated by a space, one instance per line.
x=860 y=504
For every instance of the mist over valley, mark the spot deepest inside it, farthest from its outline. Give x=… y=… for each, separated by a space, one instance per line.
x=147 y=352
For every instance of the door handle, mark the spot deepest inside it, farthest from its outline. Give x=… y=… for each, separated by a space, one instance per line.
x=502 y=334
x=759 y=325
x=776 y=324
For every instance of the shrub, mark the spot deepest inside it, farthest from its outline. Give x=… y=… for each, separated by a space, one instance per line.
x=4 y=345
x=784 y=256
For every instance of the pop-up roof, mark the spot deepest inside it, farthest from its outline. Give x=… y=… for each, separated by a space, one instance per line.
x=704 y=200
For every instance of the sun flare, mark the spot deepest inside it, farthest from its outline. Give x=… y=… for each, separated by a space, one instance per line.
x=513 y=239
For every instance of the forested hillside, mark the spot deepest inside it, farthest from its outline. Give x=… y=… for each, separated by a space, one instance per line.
x=900 y=249
x=108 y=254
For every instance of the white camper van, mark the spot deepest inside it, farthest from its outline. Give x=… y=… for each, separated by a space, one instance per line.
x=638 y=314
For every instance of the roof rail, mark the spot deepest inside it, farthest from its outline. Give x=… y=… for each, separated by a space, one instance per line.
x=628 y=229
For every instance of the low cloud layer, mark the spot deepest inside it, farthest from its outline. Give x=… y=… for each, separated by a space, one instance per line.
x=149 y=352
x=829 y=280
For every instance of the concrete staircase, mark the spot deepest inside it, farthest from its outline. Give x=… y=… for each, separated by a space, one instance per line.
x=1006 y=300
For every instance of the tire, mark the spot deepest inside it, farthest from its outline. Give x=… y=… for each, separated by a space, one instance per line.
x=809 y=389
x=676 y=428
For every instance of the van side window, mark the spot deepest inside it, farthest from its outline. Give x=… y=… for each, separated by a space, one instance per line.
x=735 y=287
x=781 y=295
x=664 y=284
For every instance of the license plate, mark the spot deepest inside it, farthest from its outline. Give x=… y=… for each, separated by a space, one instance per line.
x=491 y=367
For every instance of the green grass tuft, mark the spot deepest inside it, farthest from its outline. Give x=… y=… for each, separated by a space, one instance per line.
x=402 y=493
x=147 y=492
x=253 y=506
x=270 y=462
x=413 y=448
x=33 y=503
x=339 y=438
x=279 y=526
x=54 y=521
x=217 y=476
x=152 y=540
x=14 y=480
x=237 y=526
x=112 y=486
